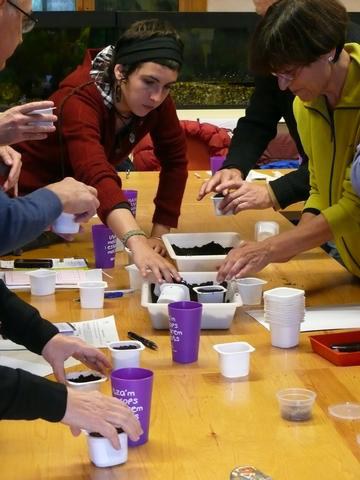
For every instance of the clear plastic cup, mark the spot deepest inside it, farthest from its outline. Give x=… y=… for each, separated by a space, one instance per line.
x=264 y=230
x=42 y=111
x=296 y=404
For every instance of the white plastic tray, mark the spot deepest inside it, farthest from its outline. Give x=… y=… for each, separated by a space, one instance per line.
x=215 y=315
x=200 y=263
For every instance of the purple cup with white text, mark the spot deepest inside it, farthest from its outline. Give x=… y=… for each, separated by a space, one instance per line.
x=131 y=196
x=184 y=325
x=104 y=241
x=216 y=163
x=134 y=387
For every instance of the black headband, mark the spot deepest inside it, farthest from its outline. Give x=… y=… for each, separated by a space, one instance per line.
x=155 y=48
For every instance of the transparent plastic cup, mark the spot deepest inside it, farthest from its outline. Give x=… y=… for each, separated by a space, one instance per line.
x=264 y=230
x=296 y=404
x=42 y=111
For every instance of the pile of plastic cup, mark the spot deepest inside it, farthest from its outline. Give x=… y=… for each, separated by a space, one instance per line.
x=284 y=310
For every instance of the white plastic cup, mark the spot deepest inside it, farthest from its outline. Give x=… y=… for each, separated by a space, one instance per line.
x=103 y=454
x=125 y=358
x=250 y=289
x=42 y=111
x=284 y=336
x=210 y=293
x=234 y=358
x=173 y=292
x=92 y=294
x=216 y=202
x=265 y=230
x=65 y=223
x=90 y=386
x=42 y=282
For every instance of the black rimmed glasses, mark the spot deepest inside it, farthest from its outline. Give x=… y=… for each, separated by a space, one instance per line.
x=28 y=20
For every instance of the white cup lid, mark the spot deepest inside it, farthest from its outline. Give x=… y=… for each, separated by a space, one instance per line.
x=345 y=411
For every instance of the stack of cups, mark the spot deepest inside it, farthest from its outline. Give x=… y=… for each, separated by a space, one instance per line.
x=284 y=309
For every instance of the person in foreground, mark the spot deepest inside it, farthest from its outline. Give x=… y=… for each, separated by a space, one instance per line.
x=268 y=104
x=23 y=395
x=302 y=43
x=105 y=107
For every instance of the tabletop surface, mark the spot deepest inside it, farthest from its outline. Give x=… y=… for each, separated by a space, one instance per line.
x=203 y=425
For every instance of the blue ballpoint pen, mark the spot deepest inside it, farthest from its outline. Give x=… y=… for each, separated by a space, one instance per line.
x=113 y=294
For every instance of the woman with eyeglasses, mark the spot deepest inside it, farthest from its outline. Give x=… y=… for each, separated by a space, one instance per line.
x=105 y=107
x=302 y=43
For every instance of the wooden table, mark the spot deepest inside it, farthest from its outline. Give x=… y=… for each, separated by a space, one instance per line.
x=203 y=425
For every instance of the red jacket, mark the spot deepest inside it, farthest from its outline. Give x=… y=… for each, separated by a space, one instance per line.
x=85 y=147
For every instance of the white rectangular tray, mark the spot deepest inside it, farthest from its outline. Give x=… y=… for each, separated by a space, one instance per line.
x=215 y=315
x=200 y=263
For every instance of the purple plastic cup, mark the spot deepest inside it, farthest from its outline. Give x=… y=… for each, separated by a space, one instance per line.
x=216 y=163
x=185 y=324
x=104 y=241
x=134 y=387
x=131 y=196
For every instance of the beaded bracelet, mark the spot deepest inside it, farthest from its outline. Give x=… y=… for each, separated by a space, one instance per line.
x=132 y=233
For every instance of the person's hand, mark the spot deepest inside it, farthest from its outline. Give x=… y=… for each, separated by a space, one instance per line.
x=157 y=245
x=145 y=258
x=59 y=348
x=12 y=159
x=218 y=181
x=76 y=198
x=248 y=257
x=246 y=196
x=95 y=412
x=17 y=124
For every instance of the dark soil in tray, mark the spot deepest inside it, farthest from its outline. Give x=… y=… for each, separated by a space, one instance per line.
x=85 y=378
x=193 y=295
x=211 y=248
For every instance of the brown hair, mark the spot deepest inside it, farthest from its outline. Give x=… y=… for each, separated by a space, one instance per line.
x=140 y=31
x=297 y=33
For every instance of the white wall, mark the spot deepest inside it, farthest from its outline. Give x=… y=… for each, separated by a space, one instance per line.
x=248 y=6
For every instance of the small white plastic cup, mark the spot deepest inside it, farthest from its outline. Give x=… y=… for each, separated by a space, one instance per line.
x=103 y=454
x=42 y=111
x=42 y=282
x=250 y=289
x=89 y=386
x=265 y=230
x=66 y=224
x=125 y=358
x=296 y=403
x=92 y=294
x=216 y=202
x=234 y=358
x=210 y=293
x=173 y=292
x=284 y=335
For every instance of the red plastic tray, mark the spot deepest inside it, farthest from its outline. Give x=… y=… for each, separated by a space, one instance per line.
x=321 y=345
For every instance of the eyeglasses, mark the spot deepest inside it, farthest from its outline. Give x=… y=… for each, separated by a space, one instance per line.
x=288 y=77
x=28 y=20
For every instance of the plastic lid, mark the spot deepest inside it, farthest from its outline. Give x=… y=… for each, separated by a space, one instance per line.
x=346 y=411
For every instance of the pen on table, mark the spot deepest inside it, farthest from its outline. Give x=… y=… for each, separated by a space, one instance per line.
x=144 y=341
x=346 y=347
x=114 y=293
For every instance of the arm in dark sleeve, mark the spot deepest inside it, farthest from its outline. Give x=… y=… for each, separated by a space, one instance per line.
x=22 y=323
x=23 y=219
x=255 y=130
x=24 y=396
x=292 y=187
